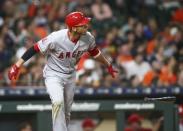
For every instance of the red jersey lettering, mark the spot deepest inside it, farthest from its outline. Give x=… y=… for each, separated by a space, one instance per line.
x=61 y=56
x=74 y=54
x=68 y=54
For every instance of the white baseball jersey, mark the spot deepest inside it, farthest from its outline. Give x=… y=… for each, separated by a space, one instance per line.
x=62 y=53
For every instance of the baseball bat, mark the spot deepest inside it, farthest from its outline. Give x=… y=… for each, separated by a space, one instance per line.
x=166 y=99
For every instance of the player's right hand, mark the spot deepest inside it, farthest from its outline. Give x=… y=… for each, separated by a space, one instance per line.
x=13 y=72
x=112 y=71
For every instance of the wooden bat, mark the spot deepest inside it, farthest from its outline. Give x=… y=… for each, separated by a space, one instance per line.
x=165 y=99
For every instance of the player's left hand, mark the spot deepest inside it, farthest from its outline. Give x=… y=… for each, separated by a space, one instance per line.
x=112 y=71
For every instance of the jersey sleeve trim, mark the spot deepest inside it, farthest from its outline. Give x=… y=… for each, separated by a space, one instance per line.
x=36 y=47
x=97 y=54
x=94 y=52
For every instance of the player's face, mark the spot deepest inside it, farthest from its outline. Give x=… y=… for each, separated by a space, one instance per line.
x=81 y=29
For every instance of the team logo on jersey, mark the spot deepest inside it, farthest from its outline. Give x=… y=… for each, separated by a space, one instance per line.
x=66 y=55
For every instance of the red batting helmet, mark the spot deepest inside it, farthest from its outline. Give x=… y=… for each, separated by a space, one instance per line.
x=76 y=19
x=134 y=118
x=88 y=123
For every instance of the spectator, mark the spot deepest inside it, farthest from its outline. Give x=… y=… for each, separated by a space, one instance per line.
x=8 y=8
x=124 y=55
x=168 y=73
x=170 y=4
x=35 y=75
x=151 y=29
x=180 y=79
x=41 y=22
x=21 y=31
x=134 y=123
x=22 y=9
x=4 y=56
x=9 y=39
x=103 y=15
x=57 y=11
x=134 y=81
x=88 y=125
x=178 y=15
x=89 y=75
x=152 y=76
x=25 y=126
x=137 y=67
x=40 y=19
x=101 y=10
x=180 y=110
x=129 y=26
x=154 y=48
x=83 y=6
x=139 y=33
x=120 y=10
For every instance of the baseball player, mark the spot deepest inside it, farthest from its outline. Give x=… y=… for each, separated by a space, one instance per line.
x=63 y=49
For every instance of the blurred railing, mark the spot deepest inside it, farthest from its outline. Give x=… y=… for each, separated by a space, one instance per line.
x=115 y=91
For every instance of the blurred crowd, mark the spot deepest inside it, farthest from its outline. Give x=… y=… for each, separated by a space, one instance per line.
x=25 y=126
x=142 y=38
x=136 y=122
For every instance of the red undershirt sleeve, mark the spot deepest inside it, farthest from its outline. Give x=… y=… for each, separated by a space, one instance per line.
x=36 y=47
x=94 y=52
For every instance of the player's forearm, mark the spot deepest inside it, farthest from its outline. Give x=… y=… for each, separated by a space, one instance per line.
x=20 y=62
x=101 y=58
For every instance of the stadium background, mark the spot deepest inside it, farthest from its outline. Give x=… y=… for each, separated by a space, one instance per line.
x=142 y=38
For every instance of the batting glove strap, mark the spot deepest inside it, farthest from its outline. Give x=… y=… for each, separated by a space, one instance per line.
x=13 y=72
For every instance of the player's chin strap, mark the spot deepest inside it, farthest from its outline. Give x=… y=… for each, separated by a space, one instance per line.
x=55 y=110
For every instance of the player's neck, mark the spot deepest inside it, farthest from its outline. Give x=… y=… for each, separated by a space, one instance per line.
x=74 y=37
